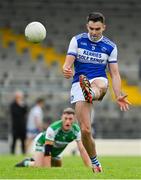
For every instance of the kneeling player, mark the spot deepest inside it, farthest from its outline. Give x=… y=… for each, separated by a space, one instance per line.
x=49 y=145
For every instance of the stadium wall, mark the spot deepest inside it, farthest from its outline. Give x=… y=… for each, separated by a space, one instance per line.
x=106 y=147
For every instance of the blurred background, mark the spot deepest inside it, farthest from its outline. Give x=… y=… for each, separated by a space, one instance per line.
x=35 y=69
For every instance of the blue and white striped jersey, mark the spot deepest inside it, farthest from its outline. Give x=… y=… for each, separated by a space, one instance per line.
x=91 y=58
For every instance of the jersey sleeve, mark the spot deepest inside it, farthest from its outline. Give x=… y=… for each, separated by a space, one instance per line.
x=113 y=56
x=78 y=137
x=50 y=134
x=72 y=49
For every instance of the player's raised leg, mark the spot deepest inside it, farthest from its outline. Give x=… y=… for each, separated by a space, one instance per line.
x=94 y=90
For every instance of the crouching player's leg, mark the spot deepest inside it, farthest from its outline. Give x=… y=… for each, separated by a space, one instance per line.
x=38 y=156
x=27 y=162
x=56 y=161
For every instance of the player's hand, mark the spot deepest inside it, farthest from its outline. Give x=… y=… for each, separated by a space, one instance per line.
x=67 y=72
x=123 y=102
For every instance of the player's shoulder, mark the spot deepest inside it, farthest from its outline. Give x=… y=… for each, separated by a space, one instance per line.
x=76 y=127
x=108 y=41
x=43 y=133
x=81 y=35
x=56 y=125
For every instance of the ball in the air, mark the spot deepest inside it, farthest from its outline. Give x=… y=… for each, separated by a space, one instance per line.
x=35 y=32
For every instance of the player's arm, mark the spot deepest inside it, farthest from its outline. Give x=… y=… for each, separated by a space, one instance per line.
x=70 y=58
x=116 y=84
x=67 y=67
x=49 y=141
x=84 y=154
x=116 y=80
x=47 y=154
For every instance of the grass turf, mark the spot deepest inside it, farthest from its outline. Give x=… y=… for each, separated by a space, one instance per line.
x=73 y=168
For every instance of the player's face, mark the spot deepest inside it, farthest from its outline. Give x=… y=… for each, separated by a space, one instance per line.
x=68 y=119
x=95 y=30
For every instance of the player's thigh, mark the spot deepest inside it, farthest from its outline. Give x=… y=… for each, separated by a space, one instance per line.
x=38 y=157
x=100 y=83
x=56 y=162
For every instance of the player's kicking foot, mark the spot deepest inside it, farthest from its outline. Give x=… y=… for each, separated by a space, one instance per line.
x=97 y=169
x=86 y=88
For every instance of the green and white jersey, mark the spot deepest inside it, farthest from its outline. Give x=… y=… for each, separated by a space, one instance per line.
x=60 y=137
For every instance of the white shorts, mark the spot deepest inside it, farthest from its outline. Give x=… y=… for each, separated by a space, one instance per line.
x=38 y=147
x=32 y=133
x=76 y=91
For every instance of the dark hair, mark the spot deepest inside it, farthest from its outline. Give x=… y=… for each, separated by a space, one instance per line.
x=40 y=100
x=95 y=17
x=68 y=111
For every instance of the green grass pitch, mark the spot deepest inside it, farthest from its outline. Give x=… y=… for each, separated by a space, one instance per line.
x=73 y=168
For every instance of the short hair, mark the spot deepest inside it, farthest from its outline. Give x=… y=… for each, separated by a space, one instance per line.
x=40 y=100
x=95 y=17
x=69 y=110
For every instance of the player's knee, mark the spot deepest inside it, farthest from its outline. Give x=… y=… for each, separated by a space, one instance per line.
x=56 y=163
x=86 y=131
x=99 y=93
